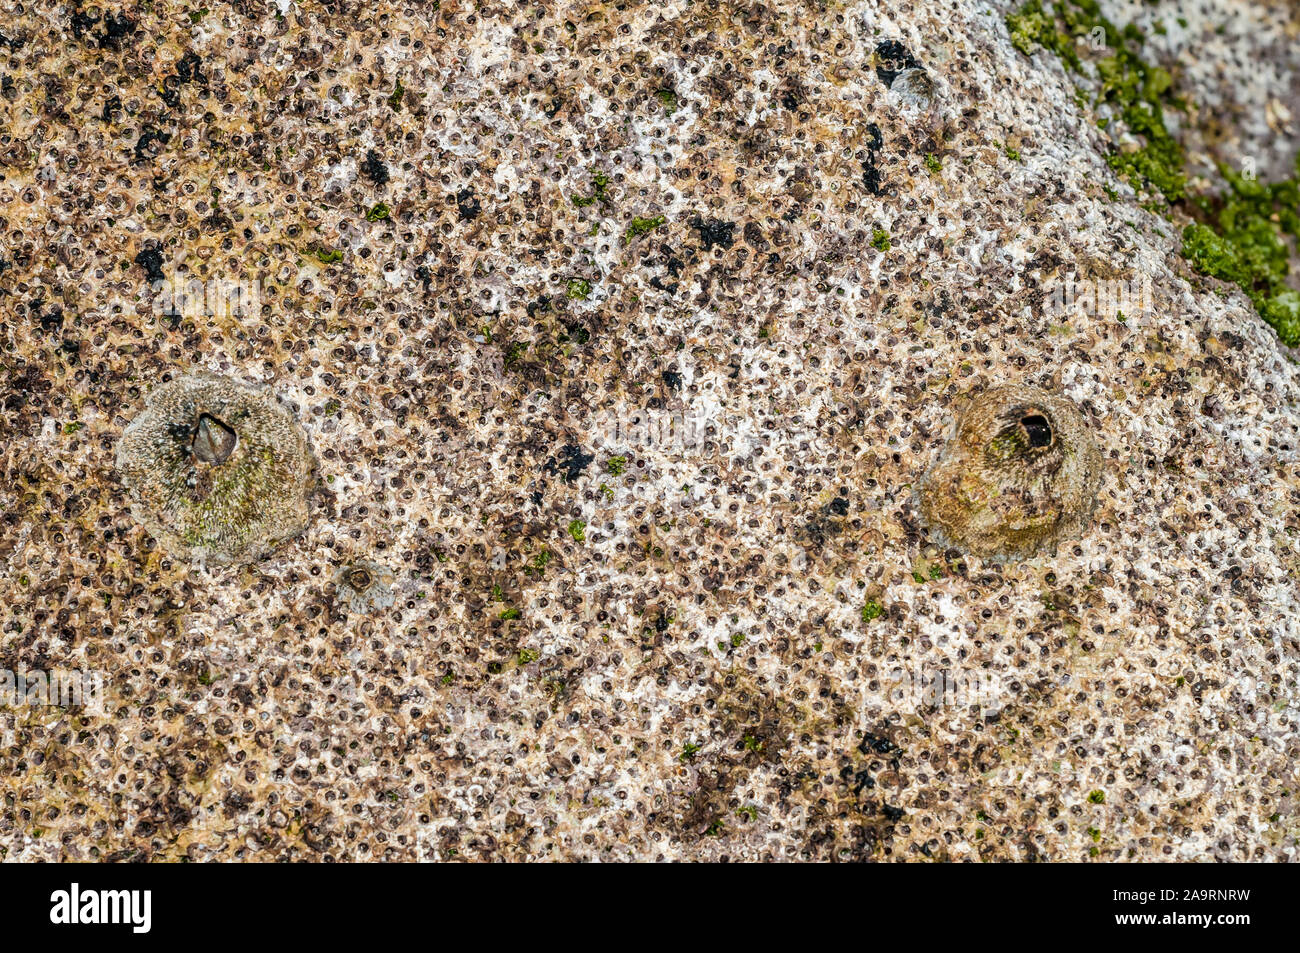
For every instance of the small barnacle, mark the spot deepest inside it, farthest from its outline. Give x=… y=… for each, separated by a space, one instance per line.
x=364 y=586
x=216 y=469
x=1019 y=472
x=912 y=90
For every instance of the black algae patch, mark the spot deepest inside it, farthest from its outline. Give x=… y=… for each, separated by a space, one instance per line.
x=892 y=58
x=714 y=232
x=570 y=462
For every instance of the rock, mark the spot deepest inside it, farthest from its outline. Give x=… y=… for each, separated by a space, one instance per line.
x=757 y=619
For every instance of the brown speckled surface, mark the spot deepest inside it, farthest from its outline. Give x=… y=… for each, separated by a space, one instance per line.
x=635 y=487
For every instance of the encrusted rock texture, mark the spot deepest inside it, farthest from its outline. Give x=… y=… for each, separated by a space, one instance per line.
x=588 y=317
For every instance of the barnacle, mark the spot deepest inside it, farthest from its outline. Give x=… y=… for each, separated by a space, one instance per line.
x=364 y=586
x=1019 y=472
x=913 y=89
x=216 y=469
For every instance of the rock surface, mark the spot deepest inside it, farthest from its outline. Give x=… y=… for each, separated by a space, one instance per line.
x=621 y=334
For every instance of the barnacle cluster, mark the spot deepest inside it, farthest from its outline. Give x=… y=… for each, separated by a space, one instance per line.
x=1019 y=472
x=434 y=203
x=217 y=469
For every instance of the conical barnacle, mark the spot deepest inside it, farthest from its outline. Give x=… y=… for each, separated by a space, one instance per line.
x=216 y=469
x=912 y=89
x=364 y=586
x=1019 y=472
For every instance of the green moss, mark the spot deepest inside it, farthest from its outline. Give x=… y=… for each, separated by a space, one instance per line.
x=578 y=530
x=872 y=610
x=328 y=256
x=511 y=613
x=932 y=163
x=688 y=752
x=378 y=212
x=880 y=240
x=616 y=465
x=525 y=656
x=579 y=288
x=395 y=97
x=1097 y=797
x=641 y=226
x=668 y=99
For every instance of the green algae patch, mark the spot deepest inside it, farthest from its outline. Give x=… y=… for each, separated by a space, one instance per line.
x=1031 y=27
x=642 y=226
x=1242 y=239
x=1157 y=164
x=599 y=191
x=1136 y=91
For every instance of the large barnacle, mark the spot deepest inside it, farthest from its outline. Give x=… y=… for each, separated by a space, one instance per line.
x=364 y=586
x=216 y=469
x=912 y=89
x=1020 y=472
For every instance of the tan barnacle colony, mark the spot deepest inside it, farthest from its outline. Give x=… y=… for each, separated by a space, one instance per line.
x=1019 y=472
x=216 y=469
x=364 y=586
